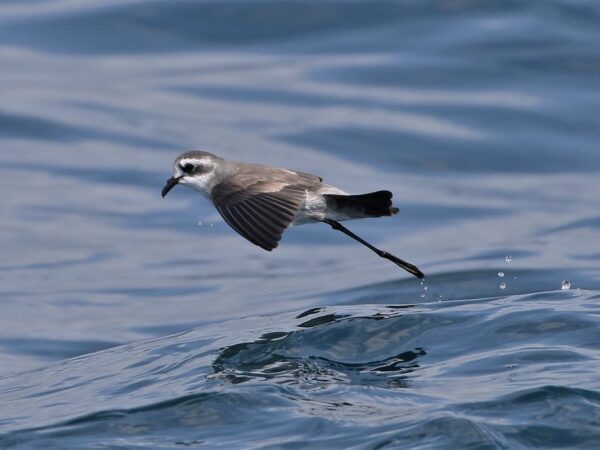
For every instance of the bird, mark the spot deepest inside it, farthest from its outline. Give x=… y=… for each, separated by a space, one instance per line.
x=260 y=202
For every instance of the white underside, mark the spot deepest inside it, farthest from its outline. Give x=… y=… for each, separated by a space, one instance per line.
x=314 y=208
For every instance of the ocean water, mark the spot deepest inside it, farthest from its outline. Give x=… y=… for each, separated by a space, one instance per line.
x=129 y=321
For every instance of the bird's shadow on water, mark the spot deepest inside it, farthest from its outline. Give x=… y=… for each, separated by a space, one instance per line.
x=369 y=335
x=325 y=348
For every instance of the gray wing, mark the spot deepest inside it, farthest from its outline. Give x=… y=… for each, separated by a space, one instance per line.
x=261 y=210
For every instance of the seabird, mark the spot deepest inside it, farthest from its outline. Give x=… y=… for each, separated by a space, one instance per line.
x=261 y=202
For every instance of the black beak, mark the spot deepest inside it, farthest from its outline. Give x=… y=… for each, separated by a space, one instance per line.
x=171 y=183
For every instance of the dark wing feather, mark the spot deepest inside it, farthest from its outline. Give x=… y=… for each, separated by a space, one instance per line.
x=259 y=210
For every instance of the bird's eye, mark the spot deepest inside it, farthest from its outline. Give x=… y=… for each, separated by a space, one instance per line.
x=188 y=167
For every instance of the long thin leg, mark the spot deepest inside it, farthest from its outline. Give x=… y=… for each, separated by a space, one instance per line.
x=399 y=262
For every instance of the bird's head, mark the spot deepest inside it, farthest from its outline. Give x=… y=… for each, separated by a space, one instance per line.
x=193 y=169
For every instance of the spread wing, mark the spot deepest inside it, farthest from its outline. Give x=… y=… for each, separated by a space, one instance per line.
x=260 y=209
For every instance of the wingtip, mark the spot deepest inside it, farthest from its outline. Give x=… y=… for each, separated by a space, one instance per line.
x=268 y=248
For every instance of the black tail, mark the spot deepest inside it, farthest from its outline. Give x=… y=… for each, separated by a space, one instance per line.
x=373 y=204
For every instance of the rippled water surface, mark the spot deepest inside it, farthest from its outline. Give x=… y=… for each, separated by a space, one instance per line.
x=129 y=321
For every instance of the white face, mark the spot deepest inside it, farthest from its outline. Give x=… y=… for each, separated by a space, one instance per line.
x=196 y=173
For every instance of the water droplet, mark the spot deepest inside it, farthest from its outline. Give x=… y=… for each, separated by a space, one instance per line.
x=565 y=285
x=502 y=286
x=508 y=259
x=199 y=223
x=422 y=295
x=425 y=288
x=501 y=274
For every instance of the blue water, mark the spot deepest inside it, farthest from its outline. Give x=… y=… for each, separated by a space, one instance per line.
x=129 y=321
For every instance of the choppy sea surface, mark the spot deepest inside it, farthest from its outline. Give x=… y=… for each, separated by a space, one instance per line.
x=129 y=321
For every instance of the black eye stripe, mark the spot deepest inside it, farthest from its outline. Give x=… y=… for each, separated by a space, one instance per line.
x=191 y=168
x=188 y=167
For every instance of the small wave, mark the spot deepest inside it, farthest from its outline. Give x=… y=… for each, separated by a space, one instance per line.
x=368 y=375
